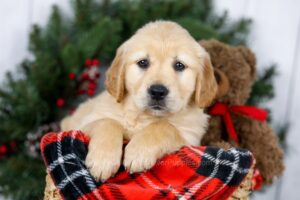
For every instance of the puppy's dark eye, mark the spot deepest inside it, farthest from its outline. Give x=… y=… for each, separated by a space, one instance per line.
x=178 y=66
x=144 y=64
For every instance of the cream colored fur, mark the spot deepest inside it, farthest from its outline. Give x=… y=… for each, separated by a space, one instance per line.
x=122 y=111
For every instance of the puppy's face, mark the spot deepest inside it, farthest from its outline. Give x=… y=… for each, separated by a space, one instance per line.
x=163 y=69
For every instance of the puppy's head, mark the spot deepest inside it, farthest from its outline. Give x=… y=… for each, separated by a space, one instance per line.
x=162 y=69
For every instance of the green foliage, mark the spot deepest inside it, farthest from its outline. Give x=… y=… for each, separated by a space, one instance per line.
x=96 y=29
x=22 y=177
x=282 y=131
x=263 y=90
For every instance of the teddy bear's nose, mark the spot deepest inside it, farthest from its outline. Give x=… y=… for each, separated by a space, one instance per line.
x=158 y=92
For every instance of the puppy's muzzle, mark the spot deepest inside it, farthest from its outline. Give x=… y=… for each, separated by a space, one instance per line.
x=158 y=92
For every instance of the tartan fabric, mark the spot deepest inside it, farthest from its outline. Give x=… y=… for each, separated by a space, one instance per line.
x=190 y=173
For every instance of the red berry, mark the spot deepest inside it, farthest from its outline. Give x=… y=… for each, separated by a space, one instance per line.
x=85 y=76
x=92 y=86
x=88 y=62
x=72 y=76
x=3 y=149
x=60 y=102
x=96 y=62
x=91 y=92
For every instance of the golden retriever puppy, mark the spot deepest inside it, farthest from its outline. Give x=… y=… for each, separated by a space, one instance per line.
x=157 y=86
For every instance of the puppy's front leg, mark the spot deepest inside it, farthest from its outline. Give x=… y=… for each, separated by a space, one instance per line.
x=105 y=148
x=155 y=141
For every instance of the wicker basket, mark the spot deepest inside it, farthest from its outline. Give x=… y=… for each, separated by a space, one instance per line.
x=244 y=190
x=242 y=193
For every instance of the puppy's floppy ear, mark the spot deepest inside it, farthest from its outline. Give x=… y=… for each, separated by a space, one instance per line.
x=222 y=81
x=115 y=77
x=206 y=85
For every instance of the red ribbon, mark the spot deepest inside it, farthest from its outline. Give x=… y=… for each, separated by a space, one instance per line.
x=257 y=180
x=225 y=111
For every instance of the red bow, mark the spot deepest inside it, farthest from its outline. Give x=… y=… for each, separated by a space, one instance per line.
x=225 y=110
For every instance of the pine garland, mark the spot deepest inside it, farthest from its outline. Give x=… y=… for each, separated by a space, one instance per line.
x=43 y=89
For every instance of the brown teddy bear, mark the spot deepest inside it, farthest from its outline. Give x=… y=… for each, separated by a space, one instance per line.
x=235 y=73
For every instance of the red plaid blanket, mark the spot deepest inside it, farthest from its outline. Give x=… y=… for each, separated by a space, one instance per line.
x=190 y=173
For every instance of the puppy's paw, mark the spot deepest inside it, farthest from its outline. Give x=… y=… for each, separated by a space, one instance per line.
x=103 y=164
x=139 y=158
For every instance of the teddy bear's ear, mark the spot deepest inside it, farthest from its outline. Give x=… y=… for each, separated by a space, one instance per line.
x=212 y=45
x=223 y=83
x=115 y=77
x=250 y=59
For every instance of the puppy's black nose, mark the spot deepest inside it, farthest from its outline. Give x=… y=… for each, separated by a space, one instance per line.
x=158 y=92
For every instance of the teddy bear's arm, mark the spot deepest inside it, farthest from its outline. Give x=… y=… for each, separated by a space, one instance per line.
x=260 y=139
